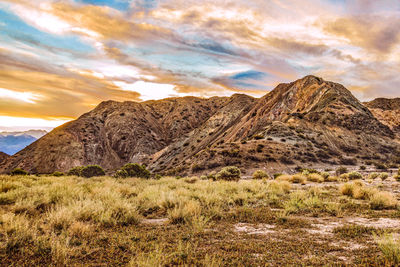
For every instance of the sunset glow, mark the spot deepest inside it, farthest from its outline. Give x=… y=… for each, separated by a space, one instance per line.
x=59 y=59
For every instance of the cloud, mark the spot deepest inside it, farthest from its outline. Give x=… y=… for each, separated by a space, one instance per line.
x=374 y=33
x=83 y=52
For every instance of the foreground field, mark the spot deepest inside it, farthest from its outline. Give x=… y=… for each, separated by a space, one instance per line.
x=137 y=222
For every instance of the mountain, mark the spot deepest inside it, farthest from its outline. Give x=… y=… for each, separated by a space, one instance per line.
x=12 y=142
x=387 y=111
x=3 y=157
x=309 y=122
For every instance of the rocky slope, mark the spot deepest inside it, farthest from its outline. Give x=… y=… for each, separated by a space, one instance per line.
x=3 y=157
x=387 y=111
x=306 y=122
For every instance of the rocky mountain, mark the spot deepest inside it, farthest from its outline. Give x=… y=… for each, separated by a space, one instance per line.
x=306 y=122
x=387 y=111
x=3 y=157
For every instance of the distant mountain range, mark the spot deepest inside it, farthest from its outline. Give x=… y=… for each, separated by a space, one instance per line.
x=309 y=122
x=12 y=142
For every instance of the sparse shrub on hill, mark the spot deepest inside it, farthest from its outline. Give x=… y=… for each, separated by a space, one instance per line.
x=260 y=174
x=354 y=175
x=121 y=174
x=133 y=170
x=230 y=173
x=18 y=171
x=384 y=176
x=212 y=175
x=378 y=200
x=341 y=170
x=315 y=177
x=57 y=174
x=373 y=175
x=76 y=171
x=92 y=171
x=380 y=166
x=258 y=137
x=325 y=175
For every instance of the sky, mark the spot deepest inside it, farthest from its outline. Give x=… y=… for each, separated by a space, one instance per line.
x=61 y=58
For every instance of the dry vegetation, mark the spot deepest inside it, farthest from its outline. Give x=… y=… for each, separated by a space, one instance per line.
x=307 y=218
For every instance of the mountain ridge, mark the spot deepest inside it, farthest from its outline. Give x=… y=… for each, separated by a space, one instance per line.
x=309 y=120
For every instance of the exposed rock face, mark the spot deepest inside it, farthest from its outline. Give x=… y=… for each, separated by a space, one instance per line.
x=309 y=121
x=3 y=157
x=387 y=111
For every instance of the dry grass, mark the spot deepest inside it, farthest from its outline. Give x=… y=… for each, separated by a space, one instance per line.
x=377 y=199
x=167 y=222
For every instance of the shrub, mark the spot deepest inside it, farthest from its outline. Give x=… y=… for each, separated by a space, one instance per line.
x=380 y=166
x=298 y=179
x=373 y=175
x=382 y=200
x=121 y=174
x=18 y=171
x=230 y=173
x=363 y=168
x=276 y=175
x=76 y=171
x=212 y=175
x=315 y=177
x=397 y=177
x=260 y=174
x=354 y=175
x=57 y=174
x=134 y=170
x=92 y=171
x=384 y=176
x=325 y=175
x=258 y=136
x=341 y=170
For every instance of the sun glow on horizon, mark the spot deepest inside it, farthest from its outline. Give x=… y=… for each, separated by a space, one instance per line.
x=21 y=123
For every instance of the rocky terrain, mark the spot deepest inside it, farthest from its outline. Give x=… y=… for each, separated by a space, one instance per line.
x=387 y=111
x=3 y=157
x=307 y=122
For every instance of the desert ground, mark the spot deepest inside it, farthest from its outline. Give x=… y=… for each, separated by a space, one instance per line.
x=310 y=218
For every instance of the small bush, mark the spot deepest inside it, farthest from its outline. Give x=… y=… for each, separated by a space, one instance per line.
x=354 y=175
x=121 y=174
x=373 y=175
x=363 y=168
x=18 y=171
x=382 y=200
x=92 y=171
x=57 y=174
x=260 y=174
x=212 y=175
x=133 y=170
x=258 y=136
x=380 y=166
x=384 y=176
x=230 y=173
x=325 y=175
x=76 y=171
x=341 y=170
x=315 y=177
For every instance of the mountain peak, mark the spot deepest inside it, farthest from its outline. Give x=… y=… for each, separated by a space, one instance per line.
x=177 y=135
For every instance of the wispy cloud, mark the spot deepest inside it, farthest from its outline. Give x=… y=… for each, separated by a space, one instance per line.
x=76 y=53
